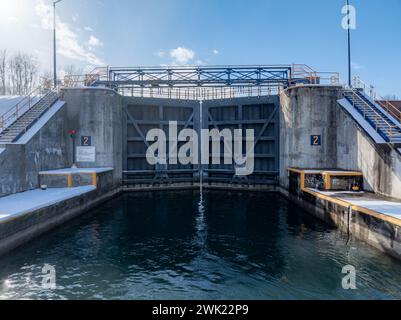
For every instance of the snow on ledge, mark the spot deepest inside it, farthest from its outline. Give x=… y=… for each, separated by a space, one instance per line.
x=25 y=202
x=76 y=171
x=388 y=208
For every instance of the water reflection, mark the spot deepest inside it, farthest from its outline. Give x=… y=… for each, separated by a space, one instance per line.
x=200 y=245
x=200 y=239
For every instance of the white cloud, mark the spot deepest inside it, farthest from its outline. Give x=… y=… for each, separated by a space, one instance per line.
x=89 y=29
x=356 y=66
x=182 y=55
x=67 y=40
x=215 y=51
x=94 y=42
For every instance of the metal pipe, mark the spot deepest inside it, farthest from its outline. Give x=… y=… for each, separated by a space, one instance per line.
x=54 y=44
x=349 y=45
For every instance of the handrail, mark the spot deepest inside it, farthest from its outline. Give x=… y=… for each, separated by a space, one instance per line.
x=20 y=108
x=304 y=71
x=360 y=84
x=49 y=98
x=87 y=80
x=390 y=108
x=196 y=93
x=385 y=103
x=390 y=127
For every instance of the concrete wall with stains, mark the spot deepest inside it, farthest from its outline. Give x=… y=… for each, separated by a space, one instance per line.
x=91 y=112
x=97 y=113
x=380 y=164
x=47 y=149
x=307 y=111
x=313 y=110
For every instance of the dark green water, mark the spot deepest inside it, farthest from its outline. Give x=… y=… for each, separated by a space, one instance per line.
x=166 y=246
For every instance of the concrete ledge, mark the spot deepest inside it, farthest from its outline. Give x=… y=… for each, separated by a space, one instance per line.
x=73 y=177
x=25 y=228
x=40 y=215
x=378 y=230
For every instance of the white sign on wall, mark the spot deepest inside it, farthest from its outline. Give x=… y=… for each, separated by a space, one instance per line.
x=86 y=154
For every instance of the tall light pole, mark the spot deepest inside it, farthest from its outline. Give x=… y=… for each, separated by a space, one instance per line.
x=349 y=45
x=54 y=43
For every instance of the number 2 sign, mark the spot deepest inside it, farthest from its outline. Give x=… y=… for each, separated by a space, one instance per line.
x=86 y=141
x=316 y=140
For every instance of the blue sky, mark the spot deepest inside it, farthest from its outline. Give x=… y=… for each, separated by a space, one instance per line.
x=157 y=32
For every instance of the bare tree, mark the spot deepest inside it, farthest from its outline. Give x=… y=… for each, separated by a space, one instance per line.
x=3 y=71
x=46 y=80
x=72 y=75
x=23 y=72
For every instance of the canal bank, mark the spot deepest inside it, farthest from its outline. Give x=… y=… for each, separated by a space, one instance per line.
x=110 y=130
x=152 y=246
x=371 y=218
x=28 y=215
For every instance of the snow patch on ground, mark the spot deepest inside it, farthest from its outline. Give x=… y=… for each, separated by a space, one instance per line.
x=7 y=102
x=22 y=203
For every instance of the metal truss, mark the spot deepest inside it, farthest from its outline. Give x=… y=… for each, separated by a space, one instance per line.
x=187 y=77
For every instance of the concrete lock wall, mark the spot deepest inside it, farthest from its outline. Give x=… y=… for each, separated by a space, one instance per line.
x=91 y=112
x=97 y=113
x=47 y=149
x=380 y=164
x=304 y=111
x=313 y=110
x=307 y=111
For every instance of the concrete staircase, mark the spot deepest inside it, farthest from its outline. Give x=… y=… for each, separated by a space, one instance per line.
x=381 y=121
x=23 y=123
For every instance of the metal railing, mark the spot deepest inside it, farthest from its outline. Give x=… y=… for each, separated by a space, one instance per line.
x=303 y=71
x=22 y=108
x=386 y=127
x=370 y=91
x=86 y=80
x=201 y=82
x=391 y=109
x=201 y=93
